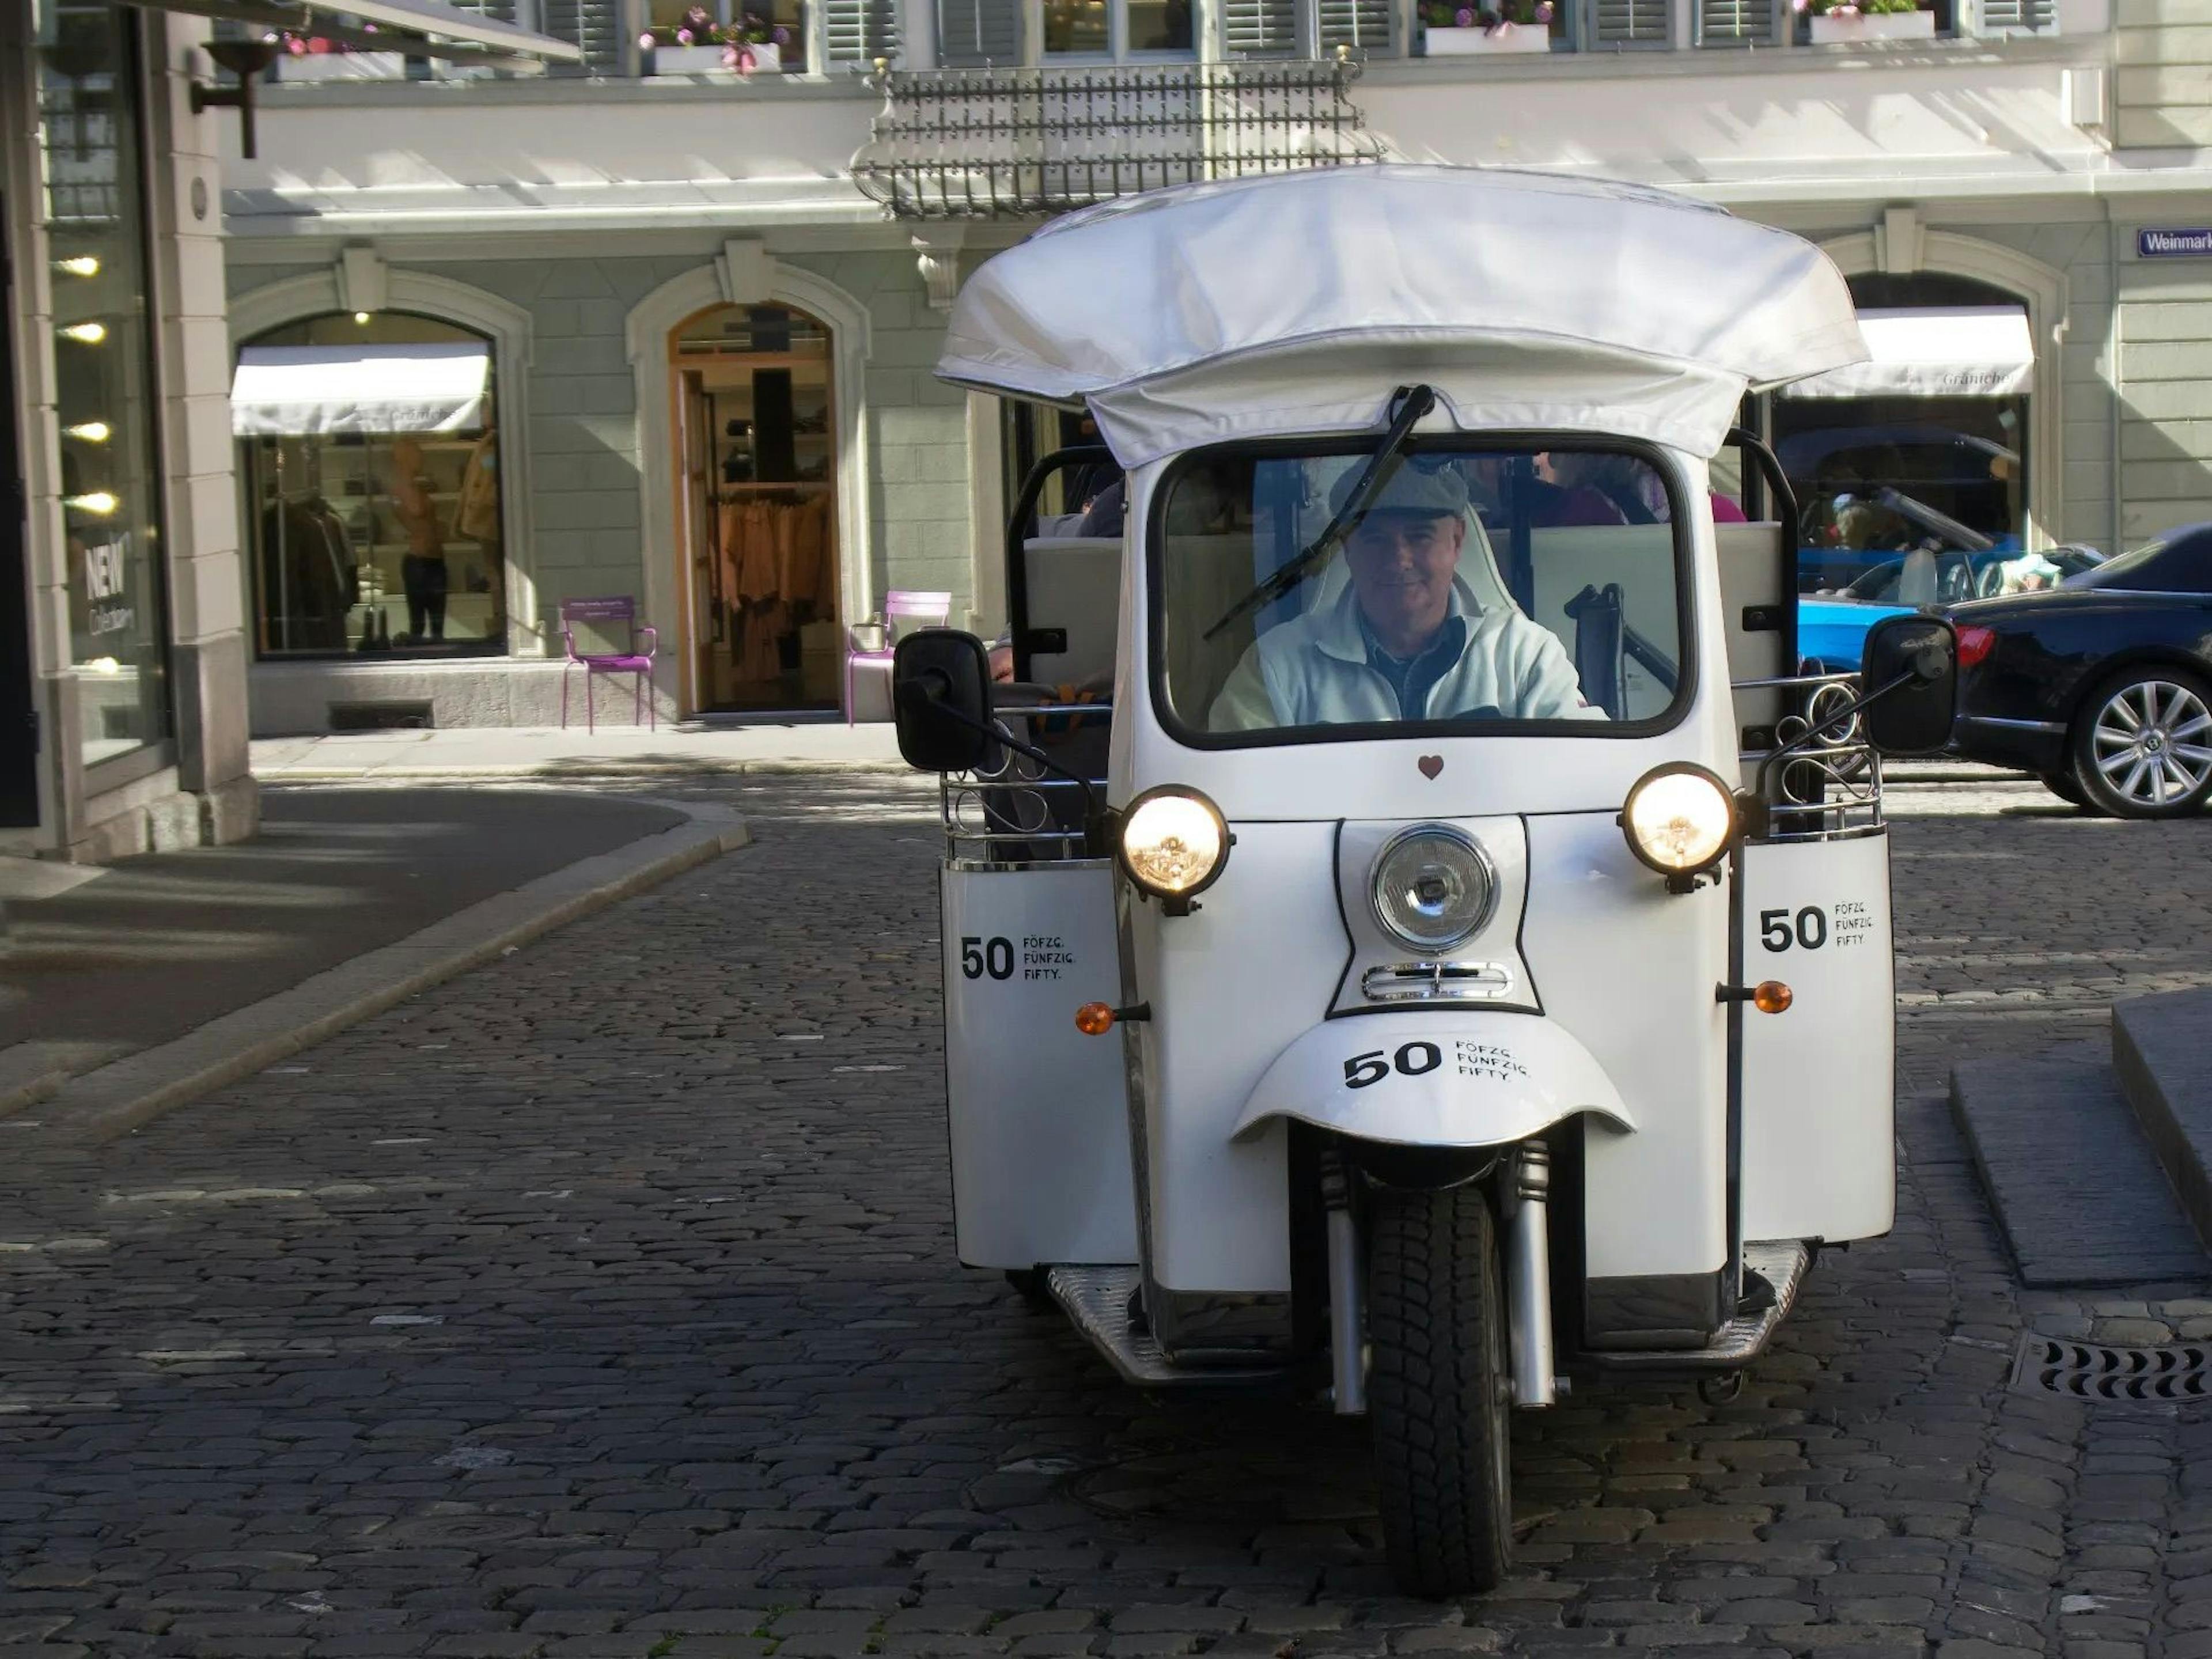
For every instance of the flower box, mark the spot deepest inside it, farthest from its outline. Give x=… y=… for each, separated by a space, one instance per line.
x=1512 y=37
x=341 y=66
x=768 y=59
x=1832 y=28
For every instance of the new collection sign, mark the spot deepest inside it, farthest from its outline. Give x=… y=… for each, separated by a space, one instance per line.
x=2174 y=244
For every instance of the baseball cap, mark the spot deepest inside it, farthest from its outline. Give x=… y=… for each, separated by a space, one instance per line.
x=1428 y=484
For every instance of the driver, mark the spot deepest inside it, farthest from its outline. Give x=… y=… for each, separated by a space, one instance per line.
x=1405 y=639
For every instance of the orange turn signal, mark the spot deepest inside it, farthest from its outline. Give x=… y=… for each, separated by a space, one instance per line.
x=1771 y=997
x=1097 y=1018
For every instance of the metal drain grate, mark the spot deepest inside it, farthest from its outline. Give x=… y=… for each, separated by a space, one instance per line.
x=2102 y=1372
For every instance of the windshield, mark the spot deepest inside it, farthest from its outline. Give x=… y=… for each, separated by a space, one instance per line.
x=1480 y=587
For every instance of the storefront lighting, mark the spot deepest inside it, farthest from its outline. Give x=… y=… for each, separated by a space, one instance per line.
x=84 y=265
x=86 y=334
x=100 y=501
x=100 y=665
x=88 y=432
x=361 y=317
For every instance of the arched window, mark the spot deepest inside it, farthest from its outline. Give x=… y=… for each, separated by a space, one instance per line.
x=1924 y=446
x=370 y=467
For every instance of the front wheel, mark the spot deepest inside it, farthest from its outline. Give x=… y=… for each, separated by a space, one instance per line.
x=2142 y=748
x=1439 y=1390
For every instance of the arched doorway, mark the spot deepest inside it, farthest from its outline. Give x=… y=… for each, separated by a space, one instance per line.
x=755 y=433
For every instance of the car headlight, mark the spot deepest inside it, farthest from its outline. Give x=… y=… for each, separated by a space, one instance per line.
x=1175 y=843
x=1680 y=819
x=1433 y=886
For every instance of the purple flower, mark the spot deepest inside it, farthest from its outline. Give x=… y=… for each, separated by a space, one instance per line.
x=647 y=40
x=782 y=35
x=1463 y=18
x=683 y=37
x=1544 y=11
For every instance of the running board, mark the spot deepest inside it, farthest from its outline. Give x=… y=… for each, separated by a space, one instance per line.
x=1098 y=1299
x=1741 y=1340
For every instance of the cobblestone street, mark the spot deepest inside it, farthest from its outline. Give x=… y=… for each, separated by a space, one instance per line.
x=602 y=1303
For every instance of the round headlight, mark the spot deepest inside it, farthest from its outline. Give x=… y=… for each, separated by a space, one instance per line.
x=1173 y=841
x=1433 y=886
x=1680 y=819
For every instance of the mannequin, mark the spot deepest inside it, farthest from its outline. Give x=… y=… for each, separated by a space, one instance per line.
x=422 y=571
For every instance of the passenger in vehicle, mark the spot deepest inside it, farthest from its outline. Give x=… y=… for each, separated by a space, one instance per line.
x=1405 y=639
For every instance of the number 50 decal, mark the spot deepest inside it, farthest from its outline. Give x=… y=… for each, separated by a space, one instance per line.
x=1810 y=932
x=1412 y=1059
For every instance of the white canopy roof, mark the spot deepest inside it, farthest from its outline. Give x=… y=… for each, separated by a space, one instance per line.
x=286 y=391
x=1943 y=351
x=1296 y=302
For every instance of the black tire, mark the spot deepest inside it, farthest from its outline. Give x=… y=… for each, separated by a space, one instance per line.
x=1028 y=1284
x=2169 y=706
x=1438 y=1390
x=2062 y=785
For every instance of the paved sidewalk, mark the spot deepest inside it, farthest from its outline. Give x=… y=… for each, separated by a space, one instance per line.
x=552 y=753
x=198 y=962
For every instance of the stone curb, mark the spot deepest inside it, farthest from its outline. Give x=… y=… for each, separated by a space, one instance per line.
x=557 y=772
x=117 y=1099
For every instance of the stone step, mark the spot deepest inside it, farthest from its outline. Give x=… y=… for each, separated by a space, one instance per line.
x=2077 y=1189
x=2162 y=1056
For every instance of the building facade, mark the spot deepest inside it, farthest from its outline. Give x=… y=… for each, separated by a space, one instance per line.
x=125 y=639
x=121 y=672
x=697 y=292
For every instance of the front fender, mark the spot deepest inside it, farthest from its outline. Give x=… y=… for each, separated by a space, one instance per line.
x=1434 y=1079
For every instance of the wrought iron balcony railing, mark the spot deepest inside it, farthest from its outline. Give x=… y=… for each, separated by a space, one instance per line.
x=969 y=143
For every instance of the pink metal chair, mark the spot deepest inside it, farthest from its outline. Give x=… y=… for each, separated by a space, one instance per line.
x=900 y=606
x=595 y=663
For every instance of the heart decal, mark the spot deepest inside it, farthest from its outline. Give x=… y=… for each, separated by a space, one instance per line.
x=1430 y=765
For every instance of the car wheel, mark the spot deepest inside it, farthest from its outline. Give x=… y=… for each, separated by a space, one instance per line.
x=2142 y=748
x=2062 y=785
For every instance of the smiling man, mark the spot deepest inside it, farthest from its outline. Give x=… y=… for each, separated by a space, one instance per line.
x=1407 y=639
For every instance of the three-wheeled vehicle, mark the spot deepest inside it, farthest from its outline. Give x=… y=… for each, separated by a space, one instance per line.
x=1457 y=961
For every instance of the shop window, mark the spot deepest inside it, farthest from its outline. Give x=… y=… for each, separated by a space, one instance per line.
x=370 y=467
x=1923 y=446
x=89 y=113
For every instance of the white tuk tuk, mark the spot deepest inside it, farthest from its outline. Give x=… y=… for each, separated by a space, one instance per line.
x=1495 y=926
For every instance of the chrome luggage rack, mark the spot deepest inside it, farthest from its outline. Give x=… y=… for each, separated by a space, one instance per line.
x=1831 y=789
x=1016 y=815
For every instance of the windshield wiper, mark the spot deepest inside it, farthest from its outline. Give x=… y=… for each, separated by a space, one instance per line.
x=1408 y=404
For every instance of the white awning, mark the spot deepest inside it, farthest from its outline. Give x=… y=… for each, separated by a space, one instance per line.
x=288 y=392
x=1943 y=351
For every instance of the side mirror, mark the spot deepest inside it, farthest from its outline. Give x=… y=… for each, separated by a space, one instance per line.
x=941 y=699
x=1915 y=718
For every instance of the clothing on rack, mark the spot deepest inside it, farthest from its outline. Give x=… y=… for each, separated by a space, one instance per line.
x=772 y=565
x=308 y=579
x=477 y=515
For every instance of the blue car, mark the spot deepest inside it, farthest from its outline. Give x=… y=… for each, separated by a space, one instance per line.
x=1832 y=626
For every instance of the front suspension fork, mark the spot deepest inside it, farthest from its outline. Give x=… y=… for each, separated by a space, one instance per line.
x=1526 y=1191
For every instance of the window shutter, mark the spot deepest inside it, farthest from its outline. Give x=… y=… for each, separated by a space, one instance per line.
x=971 y=32
x=2000 y=15
x=594 y=25
x=1259 y=28
x=1735 y=23
x=1362 y=24
x=1619 y=24
x=860 y=31
x=499 y=11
